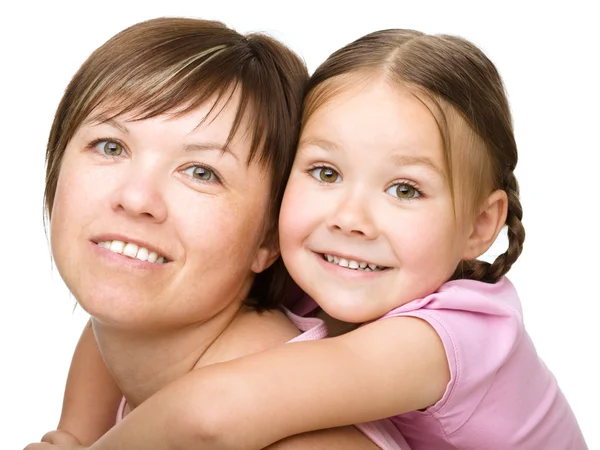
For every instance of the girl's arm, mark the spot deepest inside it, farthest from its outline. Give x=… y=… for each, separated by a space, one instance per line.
x=380 y=370
x=343 y=438
x=91 y=396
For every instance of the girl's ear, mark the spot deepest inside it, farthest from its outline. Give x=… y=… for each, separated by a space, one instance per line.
x=267 y=254
x=487 y=224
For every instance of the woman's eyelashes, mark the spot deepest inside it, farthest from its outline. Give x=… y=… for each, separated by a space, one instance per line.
x=113 y=148
x=402 y=190
x=108 y=148
x=201 y=173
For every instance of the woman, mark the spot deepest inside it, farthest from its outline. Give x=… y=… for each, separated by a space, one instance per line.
x=165 y=168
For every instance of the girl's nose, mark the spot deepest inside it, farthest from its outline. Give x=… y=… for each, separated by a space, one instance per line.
x=353 y=217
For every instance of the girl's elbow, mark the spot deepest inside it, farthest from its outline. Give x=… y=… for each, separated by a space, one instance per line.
x=206 y=421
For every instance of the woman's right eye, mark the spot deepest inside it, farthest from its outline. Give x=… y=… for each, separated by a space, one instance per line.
x=109 y=148
x=325 y=175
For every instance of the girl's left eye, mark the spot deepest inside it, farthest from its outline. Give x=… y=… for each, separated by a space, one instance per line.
x=326 y=175
x=109 y=148
x=404 y=191
x=200 y=173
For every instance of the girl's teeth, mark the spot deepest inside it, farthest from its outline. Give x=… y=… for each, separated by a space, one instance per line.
x=133 y=251
x=351 y=264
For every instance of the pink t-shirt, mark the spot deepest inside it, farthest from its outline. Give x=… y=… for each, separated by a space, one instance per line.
x=500 y=394
x=383 y=433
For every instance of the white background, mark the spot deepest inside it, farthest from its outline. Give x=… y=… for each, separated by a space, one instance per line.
x=547 y=53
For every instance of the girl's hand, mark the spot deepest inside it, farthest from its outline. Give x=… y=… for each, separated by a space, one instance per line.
x=57 y=440
x=45 y=446
x=60 y=437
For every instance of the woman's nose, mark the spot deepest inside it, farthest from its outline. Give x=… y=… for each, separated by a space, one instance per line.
x=139 y=196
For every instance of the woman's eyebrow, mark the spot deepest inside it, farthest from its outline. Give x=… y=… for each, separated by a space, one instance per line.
x=204 y=146
x=99 y=120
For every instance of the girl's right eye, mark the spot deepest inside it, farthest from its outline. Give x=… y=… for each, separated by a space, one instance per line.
x=325 y=174
x=109 y=148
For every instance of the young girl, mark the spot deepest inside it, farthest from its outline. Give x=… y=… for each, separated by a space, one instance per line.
x=404 y=176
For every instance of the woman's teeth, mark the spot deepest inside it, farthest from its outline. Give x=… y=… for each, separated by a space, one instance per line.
x=133 y=251
x=351 y=264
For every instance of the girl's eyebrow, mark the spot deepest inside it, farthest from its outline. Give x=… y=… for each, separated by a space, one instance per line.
x=408 y=160
x=321 y=143
x=398 y=159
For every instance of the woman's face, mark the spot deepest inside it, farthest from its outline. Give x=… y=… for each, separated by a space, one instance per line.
x=155 y=223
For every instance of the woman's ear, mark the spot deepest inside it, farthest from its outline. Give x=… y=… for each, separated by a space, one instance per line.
x=267 y=253
x=487 y=224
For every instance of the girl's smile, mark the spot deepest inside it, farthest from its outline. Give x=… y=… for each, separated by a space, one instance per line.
x=367 y=221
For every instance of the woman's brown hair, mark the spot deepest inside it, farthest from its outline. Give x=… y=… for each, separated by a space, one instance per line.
x=173 y=65
x=465 y=93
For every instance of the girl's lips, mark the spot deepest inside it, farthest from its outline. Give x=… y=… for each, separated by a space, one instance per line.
x=352 y=263
x=346 y=272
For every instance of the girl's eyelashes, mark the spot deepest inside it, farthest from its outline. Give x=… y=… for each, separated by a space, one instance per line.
x=325 y=174
x=201 y=173
x=404 y=190
x=108 y=147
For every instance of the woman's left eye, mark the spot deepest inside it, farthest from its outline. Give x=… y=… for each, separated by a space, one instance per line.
x=109 y=148
x=404 y=191
x=200 y=173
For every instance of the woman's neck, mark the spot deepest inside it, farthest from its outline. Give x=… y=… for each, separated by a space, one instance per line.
x=143 y=362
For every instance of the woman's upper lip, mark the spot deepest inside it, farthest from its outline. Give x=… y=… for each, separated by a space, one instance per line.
x=127 y=239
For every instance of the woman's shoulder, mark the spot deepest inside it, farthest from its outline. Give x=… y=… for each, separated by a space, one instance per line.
x=251 y=332
x=265 y=329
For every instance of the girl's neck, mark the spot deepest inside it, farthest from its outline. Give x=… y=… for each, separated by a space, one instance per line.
x=335 y=327
x=144 y=362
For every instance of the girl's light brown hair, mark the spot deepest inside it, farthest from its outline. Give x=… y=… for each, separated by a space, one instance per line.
x=464 y=91
x=173 y=65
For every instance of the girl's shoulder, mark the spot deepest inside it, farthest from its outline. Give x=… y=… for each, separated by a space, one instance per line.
x=468 y=296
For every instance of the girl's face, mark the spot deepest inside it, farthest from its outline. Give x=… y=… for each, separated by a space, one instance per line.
x=367 y=222
x=155 y=223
